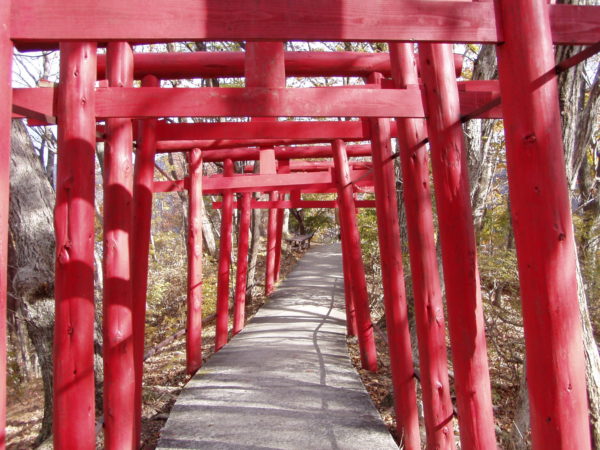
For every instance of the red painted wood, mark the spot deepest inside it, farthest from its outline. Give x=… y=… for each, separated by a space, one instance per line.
x=231 y=64
x=542 y=223
x=38 y=104
x=459 y=256
x=325 y=131
x=215 y=149
x=385 y=20
x=142 y=221
x=6 y=51
x=194 y=280
x=222 y=324
x=314 y=166
x=119 y=373
x=73 y=424
x=287 y=204
x=349 y=230
x=429 y=308
x=309 y=182
x=43 y=21
x=239 y=311
x=283 y=167
x=257 y=102
x=392 y=273
x=265 y=68
x=351 y=327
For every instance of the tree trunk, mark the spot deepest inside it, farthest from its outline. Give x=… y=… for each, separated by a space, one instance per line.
x=479 y=133
x=31 y=250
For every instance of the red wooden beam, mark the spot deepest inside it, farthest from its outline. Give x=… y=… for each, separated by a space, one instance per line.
x=296 y=204
x=6 y=51
x=239 y=311
x=74 y=424
x=286 y=153
x=39 y=105
x=392 y=273
x=315 y=166
x=429 y=308
x=321 y=130
x=119 y=390
x=44 y=21
x=231 y=64
x=459 y=254
x=194 y=275
x=257 y=102
x=541 y=216
x=309 y=182
x=224 y=264
x=350 y=233
x=143 y=177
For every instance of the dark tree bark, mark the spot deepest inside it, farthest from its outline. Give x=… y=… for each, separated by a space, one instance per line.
x=31 y=253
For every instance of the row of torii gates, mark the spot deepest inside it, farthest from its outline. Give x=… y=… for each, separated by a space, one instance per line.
x=428 y=106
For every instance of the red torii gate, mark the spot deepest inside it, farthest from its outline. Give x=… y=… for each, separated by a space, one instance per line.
x=539 y=201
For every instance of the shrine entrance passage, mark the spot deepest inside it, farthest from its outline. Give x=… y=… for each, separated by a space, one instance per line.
x=285 y=381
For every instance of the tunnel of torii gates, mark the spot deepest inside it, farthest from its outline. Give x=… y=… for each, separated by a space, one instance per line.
x=414 y=98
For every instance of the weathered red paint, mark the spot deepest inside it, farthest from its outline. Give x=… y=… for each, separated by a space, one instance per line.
x=231 y=64
x=288 y=204
x=224 y=263
x=194 y=279
x=283 y=167
x=239 y=311
x=348 y=289
x=429 y=308
x=349 y=230
x=6 y=50
x=459 y=256
x=74 y=409
x=119 y=373
x=39 y=22
x=392 y=274
x=543 y=228
x=143 y=179
x=271 y=245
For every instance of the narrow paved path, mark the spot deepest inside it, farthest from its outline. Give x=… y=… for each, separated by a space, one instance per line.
x=286 y=381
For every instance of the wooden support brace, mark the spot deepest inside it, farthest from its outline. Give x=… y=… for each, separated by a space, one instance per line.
x=74 y=424
x=119 y=372
x=224 y=263
x=194 y=278
x=542 y=223
x=143 y=183
x=429 y=308
x=349 y=229
x=459 y=256
x=392 y=273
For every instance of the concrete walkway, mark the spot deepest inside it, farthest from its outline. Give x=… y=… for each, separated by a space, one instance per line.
x=286 y=381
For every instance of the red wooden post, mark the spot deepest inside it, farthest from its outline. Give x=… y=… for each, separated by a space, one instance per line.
x=6 y=50
x=194 y=280
x=429 y=309
x=224 y=263
x=239 y=311
x=348 y=289
x=271 y=246
x=143 y=181
x=119 y=374
x=350 y=234
x=265 y=67
x=284 y=167
x=392 y=272
x=459 y=255
x=541 y=216
x=74 y=224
